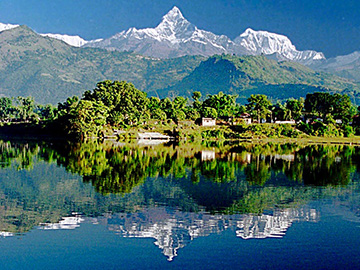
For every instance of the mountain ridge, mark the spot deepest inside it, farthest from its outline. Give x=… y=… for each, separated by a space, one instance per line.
x=175 y=36
x=248 y=75
x=50 y=70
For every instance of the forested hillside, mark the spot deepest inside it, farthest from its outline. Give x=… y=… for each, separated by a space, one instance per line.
x=258 y=75
x=50 y=71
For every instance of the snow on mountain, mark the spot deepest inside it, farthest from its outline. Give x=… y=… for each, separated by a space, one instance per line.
x=262 y=42
x=74 y=41
x=342 y=61
x=4 y=26
x=347 y=66
x=174 y=36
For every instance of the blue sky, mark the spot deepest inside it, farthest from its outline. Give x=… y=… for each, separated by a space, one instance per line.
x=330 y=26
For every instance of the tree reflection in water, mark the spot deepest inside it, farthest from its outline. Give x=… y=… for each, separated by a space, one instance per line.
x=231 y=179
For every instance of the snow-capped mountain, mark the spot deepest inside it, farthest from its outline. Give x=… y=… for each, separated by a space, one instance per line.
x=175 y=36
x=4 y=26
x=262 y=42
x=74 y=41
x=347 y=66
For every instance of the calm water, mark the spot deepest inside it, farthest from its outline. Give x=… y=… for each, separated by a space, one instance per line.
x=240 y=206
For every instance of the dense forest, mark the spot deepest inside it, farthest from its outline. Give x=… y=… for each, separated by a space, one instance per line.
x=119 y=105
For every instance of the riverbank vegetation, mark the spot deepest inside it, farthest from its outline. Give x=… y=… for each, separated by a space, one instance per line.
x=119 y=106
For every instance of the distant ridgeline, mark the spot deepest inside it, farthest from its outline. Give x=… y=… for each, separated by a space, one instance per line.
x=49 y=70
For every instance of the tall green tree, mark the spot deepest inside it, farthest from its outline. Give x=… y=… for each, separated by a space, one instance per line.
x=224 y=104
x=87 y=118
x=325 y=104
x=25 y=108
x=6 y=109
x=258 y=106
x=295 y=107
x=126 y=103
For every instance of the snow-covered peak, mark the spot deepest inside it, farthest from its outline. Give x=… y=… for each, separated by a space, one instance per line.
x=175 y=36
x=75 y=41
x=174 y=26
x=4 y=26
x=263 y=42
x=174 y=14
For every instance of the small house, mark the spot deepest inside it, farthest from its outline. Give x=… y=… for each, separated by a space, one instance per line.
x=208 y=122
x=338 y=121
x=246 y=118
x=207 y=155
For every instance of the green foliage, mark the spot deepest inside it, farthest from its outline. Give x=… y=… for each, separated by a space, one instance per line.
x=6 y=109
x=258 y=106
x=318 y=128
x=87 y=118
x=349 y=131
x=294 y=108
x=271 y=130
x=324 y=104
x=209 y=112
x=125 y=103
x=225 y=105
x=25 y=108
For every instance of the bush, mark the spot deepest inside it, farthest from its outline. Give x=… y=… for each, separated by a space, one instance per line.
x=349 y=131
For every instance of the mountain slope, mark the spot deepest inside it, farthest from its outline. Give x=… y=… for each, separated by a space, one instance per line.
x=50 y=70
x=258 y=75
x=347 y=66
x=175 y=36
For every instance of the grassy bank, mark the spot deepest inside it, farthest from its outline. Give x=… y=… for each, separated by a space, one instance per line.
x=186 y=131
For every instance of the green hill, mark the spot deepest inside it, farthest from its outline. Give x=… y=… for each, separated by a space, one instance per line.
x=50 y=70
x=258 y=75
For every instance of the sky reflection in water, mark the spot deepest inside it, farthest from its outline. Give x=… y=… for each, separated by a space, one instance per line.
x=179 y=197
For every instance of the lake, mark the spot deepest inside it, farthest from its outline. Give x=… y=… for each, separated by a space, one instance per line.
x=111 y=205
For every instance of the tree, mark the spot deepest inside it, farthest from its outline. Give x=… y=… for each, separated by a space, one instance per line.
x=25 y=108
x=47 y=112
x=258 y=106
x=70 y=103
x=6 y=109
x=319 y=104
x=87 y=118
x=126 y=104
x=197 y=103
x=343 y=108
x=224 y=104
x=209 y=112
x=329 y=106
x=295 y=107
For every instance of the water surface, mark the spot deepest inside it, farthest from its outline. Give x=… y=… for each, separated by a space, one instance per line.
x=114 y=206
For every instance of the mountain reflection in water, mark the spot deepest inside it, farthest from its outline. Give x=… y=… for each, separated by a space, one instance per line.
x=176 y=193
